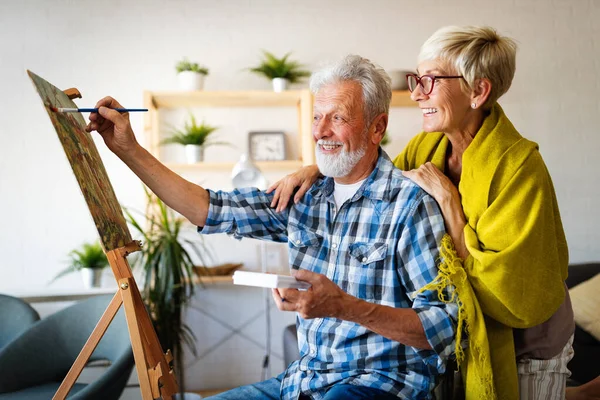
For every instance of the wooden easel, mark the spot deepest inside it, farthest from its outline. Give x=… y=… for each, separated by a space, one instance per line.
x=156 y=376
x=154 y=373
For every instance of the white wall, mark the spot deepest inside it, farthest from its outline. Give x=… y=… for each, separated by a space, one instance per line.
x=123 y=48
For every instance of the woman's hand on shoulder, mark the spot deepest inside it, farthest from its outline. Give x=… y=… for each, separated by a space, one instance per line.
x=433 y=181
x=284 y=188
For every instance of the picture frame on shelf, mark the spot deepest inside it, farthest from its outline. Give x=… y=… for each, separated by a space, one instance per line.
x=267 y=145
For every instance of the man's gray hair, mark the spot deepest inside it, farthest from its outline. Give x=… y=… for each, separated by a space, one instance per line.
x=375 y=83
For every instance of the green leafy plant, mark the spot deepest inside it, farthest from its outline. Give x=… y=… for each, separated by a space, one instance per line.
x=192 y=133
x=273 y=67
x=386 y=139
x=185 y=65
x=89 y=255
x=168 y=276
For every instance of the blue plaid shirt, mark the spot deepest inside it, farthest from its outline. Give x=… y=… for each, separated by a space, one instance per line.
x=380 y=246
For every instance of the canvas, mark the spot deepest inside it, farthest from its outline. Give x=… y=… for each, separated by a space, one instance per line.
x=87 y=166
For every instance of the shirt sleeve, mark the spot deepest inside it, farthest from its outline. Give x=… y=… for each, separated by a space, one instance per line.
x=244 y=213
x=419 y=253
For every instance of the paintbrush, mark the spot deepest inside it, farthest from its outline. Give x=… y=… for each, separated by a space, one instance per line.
x=93 y=110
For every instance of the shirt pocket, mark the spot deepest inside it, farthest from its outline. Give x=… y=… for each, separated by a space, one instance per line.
x=304 y=248
x=366 y=272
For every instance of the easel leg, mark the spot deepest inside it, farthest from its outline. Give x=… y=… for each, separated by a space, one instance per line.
x=89 y=348
x=157 y=380
x=138 y=347
x=154 y=373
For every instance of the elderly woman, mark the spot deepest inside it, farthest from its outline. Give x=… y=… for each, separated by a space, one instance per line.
x=508 y=255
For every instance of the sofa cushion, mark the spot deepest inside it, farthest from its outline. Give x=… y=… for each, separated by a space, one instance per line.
x=581 y=272
x=585 y=298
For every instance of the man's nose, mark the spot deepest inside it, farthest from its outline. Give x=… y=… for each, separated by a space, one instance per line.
x=321 y=129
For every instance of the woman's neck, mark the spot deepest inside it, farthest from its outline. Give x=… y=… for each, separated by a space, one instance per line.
x=460 y=139
x=453 y=167
x=464 y=133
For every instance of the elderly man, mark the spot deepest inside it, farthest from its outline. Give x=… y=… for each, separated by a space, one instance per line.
x=365 y=237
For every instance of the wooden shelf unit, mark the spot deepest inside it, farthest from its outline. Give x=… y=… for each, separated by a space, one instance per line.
x=287 y=165
x=226 y=99
x=213 y=280
x=401 y=98
x=302 y=100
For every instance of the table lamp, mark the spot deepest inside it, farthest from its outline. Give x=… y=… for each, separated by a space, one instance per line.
x=246 y=174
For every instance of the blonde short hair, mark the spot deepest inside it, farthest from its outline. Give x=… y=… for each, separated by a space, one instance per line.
x=475 y=52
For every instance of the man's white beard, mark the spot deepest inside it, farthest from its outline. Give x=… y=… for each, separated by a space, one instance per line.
x=338 y=165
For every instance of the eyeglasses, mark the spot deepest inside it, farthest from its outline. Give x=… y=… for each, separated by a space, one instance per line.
x=426 y=82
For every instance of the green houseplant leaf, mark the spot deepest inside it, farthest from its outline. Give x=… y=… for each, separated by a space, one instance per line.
x=168 y=276
x=89 y=255
x=194 y=134
x=386 y=139
x=273 y=67
x=186 y=65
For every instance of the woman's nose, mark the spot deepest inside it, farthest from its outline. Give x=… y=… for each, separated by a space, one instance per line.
x=417 y=93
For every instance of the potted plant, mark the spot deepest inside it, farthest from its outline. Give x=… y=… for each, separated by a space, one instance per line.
x=385 y=139
x=190 y=75
x=168 y=271
x=280 y=70
x=195 y=138
x=90 y=260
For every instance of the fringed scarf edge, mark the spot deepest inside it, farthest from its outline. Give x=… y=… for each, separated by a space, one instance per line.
x=452 y=275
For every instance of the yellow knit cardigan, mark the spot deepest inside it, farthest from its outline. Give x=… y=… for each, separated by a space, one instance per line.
x=513 y=277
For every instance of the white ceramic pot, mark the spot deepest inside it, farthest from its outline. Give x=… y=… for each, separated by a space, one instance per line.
x=92 y=277
x=190 y=80
x=194 y=154
x=280 y=84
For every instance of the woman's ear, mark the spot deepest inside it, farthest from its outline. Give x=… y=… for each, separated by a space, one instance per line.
x=378 y=128
x=481 y=92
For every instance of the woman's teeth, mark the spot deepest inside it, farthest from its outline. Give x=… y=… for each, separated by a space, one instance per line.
x=429 y=110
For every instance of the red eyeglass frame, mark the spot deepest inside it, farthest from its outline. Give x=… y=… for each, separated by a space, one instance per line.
x=432 y=77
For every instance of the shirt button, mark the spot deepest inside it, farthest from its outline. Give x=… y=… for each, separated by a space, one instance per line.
x=313 y=352
x=364 y=259
x=298 y=241
x=334 y=245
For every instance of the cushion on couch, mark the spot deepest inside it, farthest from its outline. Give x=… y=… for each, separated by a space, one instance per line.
x=585 y=298
x=584 y=366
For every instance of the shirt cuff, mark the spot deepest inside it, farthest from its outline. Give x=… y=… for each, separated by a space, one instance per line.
x=440 y=333
x=219 y=219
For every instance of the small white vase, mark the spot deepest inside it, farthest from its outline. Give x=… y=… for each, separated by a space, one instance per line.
x=190 y=80
x=194 y=153
x=280 y=84
x=92 y=277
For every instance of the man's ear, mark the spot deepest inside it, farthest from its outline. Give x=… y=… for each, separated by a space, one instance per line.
x=378 y=128
x=481 y=92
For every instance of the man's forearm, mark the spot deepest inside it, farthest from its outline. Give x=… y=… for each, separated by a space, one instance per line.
x=188 y=199
x=400 y=324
